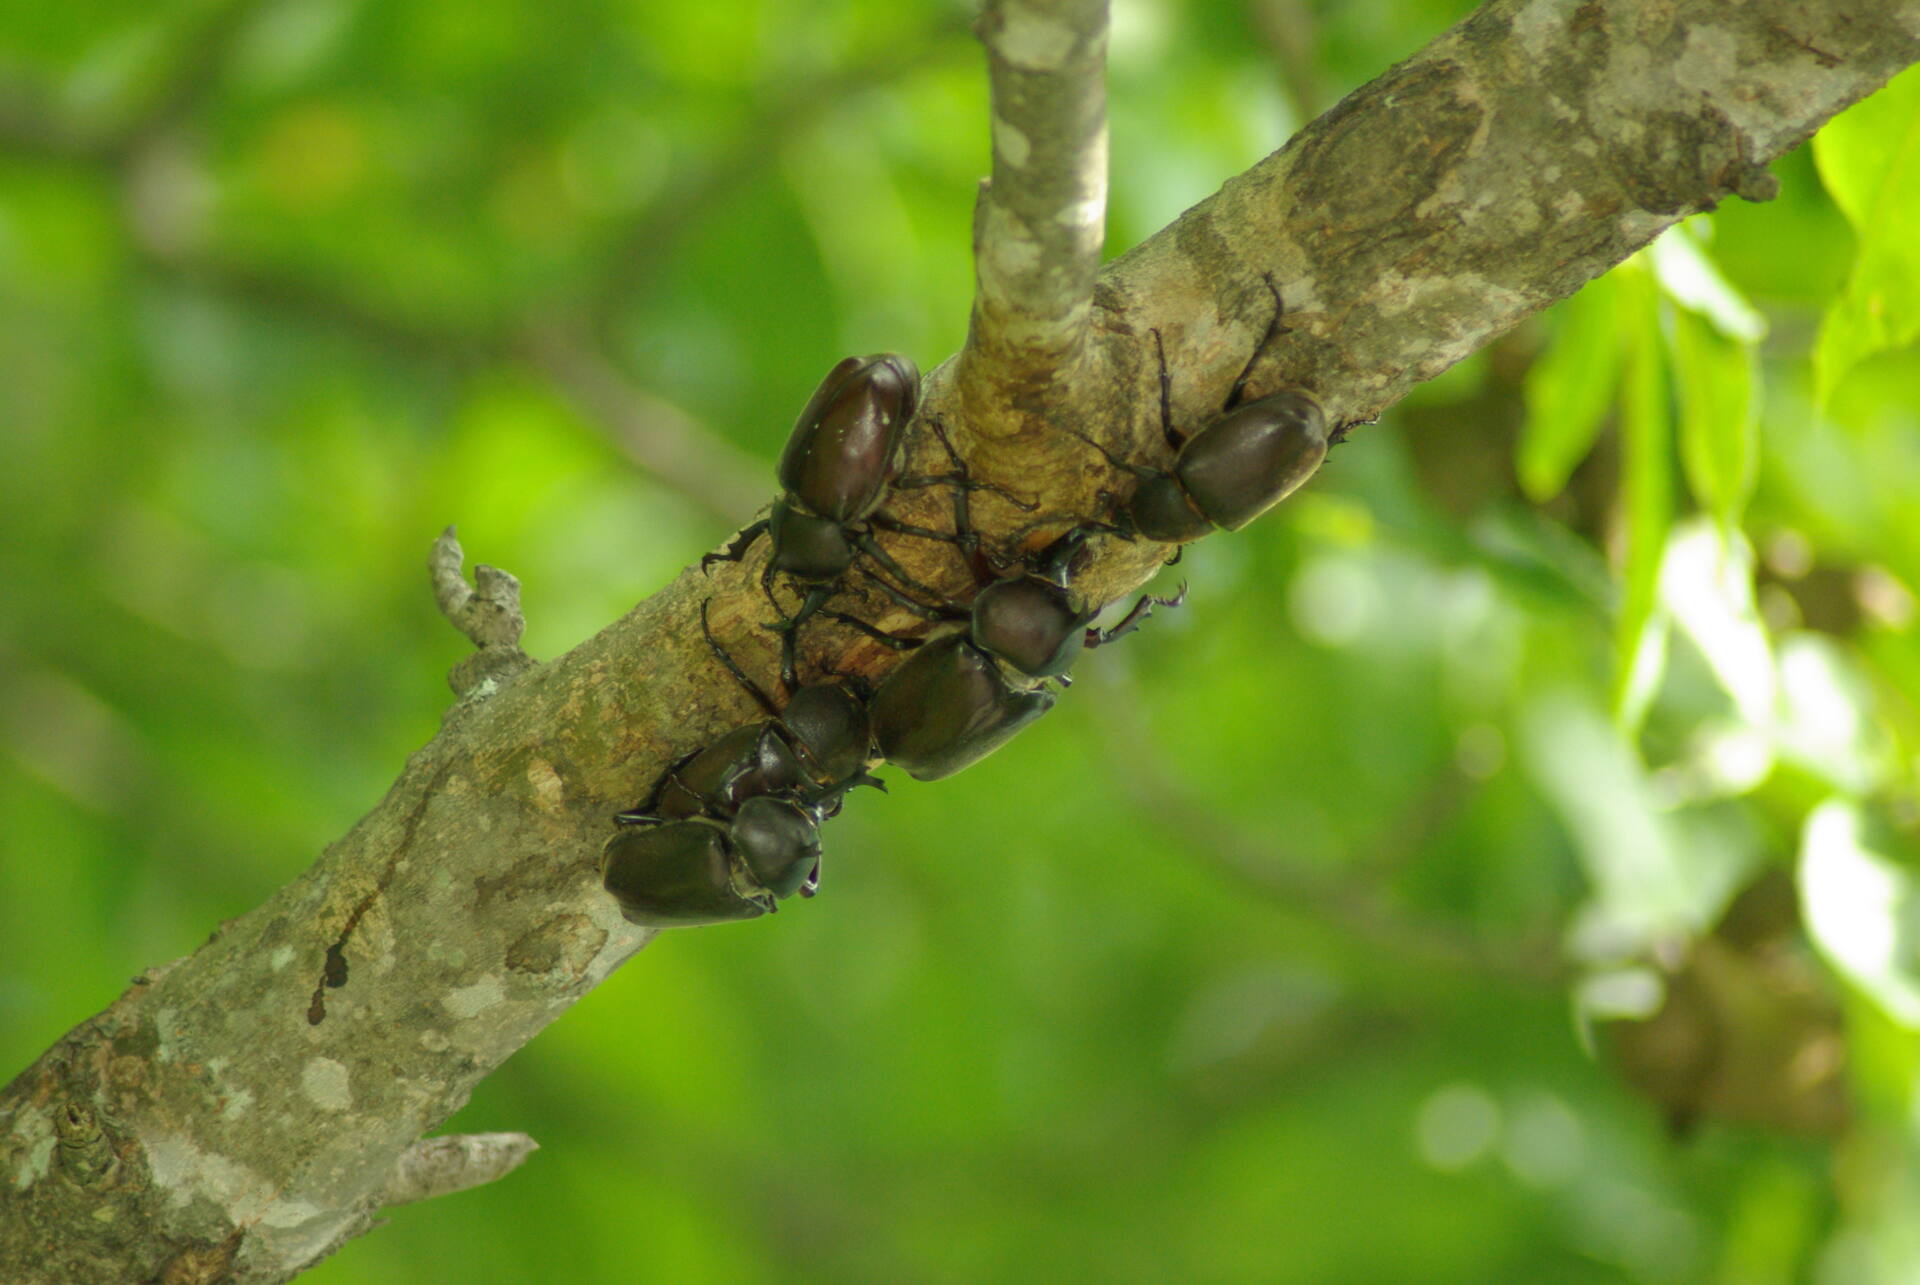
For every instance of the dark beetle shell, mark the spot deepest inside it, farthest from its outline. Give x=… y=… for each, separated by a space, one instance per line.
x=747 y=762
x=845 y=445
x=1028 y=622
x=676 y=875
x=779 y=843
x=1249 y=460
x=1162 y=510
x=947 y=707
x=811 y=549
x=830 y=725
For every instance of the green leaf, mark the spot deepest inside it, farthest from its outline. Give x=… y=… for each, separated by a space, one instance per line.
x=1647 y=487
x=1569 y=389
x=1869 y=159
x=1717 y=379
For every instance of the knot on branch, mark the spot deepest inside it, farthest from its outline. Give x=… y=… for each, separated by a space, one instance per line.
x=486 y=611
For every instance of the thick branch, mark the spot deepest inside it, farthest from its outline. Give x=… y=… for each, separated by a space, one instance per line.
x=215 y=1114
x=1041 y=220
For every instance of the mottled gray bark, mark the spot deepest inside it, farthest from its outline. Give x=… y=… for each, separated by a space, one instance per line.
x=239 y=1113
x=1041 y=220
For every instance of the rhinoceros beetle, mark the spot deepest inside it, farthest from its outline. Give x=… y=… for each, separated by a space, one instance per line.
x=731 y=828
x=952 y=702
x=702 y=870
x=1232 y=470
x=813 y=751
x=839 y=461
x=1026 y=619
x=948 y=706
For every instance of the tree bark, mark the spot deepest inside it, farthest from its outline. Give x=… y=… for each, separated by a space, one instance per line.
x=238 y=1114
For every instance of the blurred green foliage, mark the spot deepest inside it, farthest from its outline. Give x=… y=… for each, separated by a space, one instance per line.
x=1297 y=945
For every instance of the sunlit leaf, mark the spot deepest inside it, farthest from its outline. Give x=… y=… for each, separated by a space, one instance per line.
x=1570 y=388
x=1827 y=714
x=1869 y=159
x=1862 y=903
x=1706 y=585
x=1649 y=877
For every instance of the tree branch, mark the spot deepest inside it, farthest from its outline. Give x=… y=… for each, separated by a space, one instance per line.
x=656 y=435
x=638 y=251
x=31 y=123
x=215 y=1115
x=1040 y=222
x=1288 y=29
x=653 y=432
x=1350 y=901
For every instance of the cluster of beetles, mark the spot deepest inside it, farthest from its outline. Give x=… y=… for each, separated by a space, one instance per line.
x=730 y=830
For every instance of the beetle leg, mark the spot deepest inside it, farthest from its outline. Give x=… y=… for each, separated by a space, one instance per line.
x=887 y=522
x=864 y=541
x=951 y=611
x=1340 y=430
x=962 y=475
x=766 y=589
x=737 y=549
x=957 y=479
x=965 y=537
x=733 y=667
x=789 y=631
x=1111 y=458
x=1132 y=620
x=1274 y=328
x=1052 y=562
x=894 y=641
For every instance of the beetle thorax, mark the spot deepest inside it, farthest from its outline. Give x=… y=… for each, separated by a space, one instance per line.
x=1028 y=623
x=806 y=546
x=1162 y=510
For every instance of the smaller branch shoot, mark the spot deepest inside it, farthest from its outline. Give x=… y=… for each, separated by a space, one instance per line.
x=454 y=1162
x=1040 y=221
x=486 y=611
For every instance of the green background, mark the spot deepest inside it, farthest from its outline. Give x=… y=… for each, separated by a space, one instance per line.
x=1283 y=950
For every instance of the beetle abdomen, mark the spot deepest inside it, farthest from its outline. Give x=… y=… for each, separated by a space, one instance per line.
x=1252 y=458
x=842 y=451
x=948 y=707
